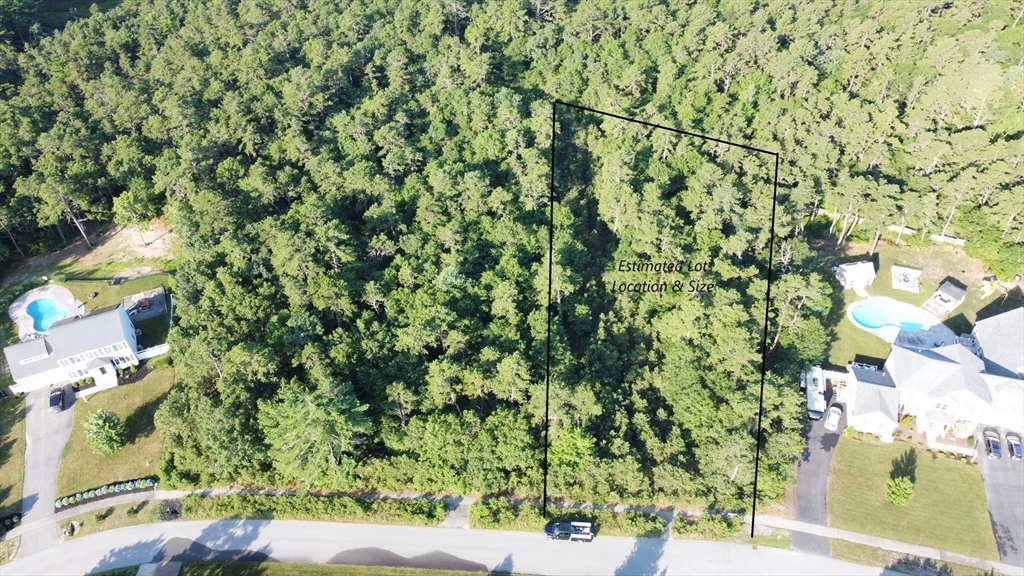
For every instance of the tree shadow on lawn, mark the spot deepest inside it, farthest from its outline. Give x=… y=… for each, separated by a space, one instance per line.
x=905 y=465
x=140 y=422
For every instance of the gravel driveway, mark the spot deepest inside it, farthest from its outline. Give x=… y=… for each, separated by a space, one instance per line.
x=45 y=437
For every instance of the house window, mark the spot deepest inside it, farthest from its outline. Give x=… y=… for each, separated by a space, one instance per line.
x=941 y=406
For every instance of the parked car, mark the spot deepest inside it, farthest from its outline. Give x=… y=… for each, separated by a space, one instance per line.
x=56 y=400
x=992 y=447
x=832 y=420
x=578 y=531
x=1013 y=447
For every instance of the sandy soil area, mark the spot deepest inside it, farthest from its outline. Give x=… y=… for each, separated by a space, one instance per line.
x=116 y=245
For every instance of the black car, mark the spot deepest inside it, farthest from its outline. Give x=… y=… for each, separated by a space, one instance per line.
x=57 y=400
x=1013 y=447
x=992 y=447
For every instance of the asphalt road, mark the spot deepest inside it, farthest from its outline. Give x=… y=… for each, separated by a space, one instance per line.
x=440 y=548
x=1004 y=490
x=45 y=437
x=812 y=480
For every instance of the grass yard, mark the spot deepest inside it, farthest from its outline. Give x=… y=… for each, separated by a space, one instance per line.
x=111 y=518
x=773 y=538
x=81 y=468
x=937 y=263
x=9 y=548
x=154 y=330
x=107 y=295
x=948 y=510
x=208 y=568
x=12 y=454
x=903 y=563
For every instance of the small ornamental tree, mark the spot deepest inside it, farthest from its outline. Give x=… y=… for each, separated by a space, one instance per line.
x=899 y=490
x=105 y=432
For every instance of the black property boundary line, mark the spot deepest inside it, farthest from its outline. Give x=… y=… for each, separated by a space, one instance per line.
x=551 y=247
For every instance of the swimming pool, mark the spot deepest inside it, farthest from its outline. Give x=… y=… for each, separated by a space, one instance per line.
x=878 y=312
x=44 y=313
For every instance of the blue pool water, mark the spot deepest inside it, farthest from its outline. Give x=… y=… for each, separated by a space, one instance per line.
x=44 y=313
x=878 y=312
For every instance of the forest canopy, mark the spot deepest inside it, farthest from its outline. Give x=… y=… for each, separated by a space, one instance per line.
x=361 y=193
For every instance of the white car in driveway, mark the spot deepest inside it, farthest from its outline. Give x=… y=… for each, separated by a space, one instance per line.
x=832 y=419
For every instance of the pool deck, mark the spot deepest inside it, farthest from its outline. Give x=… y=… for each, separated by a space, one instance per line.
x=933 y=335
x=63 y=297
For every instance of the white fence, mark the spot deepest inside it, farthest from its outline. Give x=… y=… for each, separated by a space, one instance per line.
x=153 y=352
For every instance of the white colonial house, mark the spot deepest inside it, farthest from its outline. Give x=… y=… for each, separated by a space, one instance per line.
x=91 y=346
x=977 y=380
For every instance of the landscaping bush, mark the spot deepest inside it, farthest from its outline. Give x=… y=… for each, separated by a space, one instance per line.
x=705 y=527
x=309 y=507
x=109 y=489
x=500 y=514
x=105 y=432
x=970 y=441
x=907 y=420
x=899 y=490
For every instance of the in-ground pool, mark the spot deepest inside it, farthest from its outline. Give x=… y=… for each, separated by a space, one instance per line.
x=44 y=313
x=880 y=311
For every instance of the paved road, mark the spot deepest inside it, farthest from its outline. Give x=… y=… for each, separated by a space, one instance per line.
x=480 y=550
x=1004 y=490
x=812 y=480
x=45 y=437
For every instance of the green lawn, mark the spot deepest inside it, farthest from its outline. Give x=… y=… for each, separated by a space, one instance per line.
x=107 y=295
x=113 y=517
x=207 y=568
x=903 y=563
x=81 y=468
x=948 y=510
x=936 y=263
x=12 y=454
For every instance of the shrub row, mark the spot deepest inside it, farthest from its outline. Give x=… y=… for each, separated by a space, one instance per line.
x=500 y=514
x=104 y=492
x=705 y=527
x=313 y=507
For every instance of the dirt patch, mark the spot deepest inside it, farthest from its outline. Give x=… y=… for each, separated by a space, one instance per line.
x=121 y=251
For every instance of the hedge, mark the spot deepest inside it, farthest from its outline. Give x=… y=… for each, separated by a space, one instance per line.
x=313 y=507
x=106 y=491
x=705 y=527
x=500 y=514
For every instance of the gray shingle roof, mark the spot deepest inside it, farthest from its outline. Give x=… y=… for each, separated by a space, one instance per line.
x=953 y=291
x=875 y=394
x=65 y=339
x=1002 y=343
x=938 y=372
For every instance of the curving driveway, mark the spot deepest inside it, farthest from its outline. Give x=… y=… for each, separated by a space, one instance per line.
x=45 y=437
x=479 y=550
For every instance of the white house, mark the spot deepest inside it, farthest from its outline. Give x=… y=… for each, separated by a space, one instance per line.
x=979 y=379
x=856 y=274
x=95 y=345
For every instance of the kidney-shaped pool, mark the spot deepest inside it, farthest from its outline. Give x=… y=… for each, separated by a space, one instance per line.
x=879 y=311
x=44 y=313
